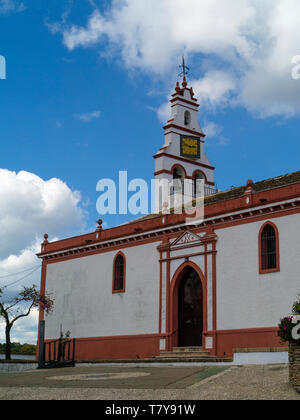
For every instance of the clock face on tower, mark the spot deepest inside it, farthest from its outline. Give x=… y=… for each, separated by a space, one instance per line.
x=190 y=147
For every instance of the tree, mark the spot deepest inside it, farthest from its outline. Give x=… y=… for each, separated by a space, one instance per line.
x=28 y=349
x=20 y=306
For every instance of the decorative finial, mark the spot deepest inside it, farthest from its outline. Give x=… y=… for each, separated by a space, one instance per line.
x=185 y=69
x=99 y=228
x=46 y=238
x=165 y=209
x=250 y=188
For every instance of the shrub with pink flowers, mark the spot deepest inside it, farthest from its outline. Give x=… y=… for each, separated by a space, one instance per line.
x=287 y=324
x=285 y=330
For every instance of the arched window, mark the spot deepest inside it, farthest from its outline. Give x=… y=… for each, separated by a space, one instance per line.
x=198 y=185
x=178 y=180
x=187 y=118
x=269 y=248
x=119 y=274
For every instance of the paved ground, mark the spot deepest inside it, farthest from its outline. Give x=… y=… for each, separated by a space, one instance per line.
x=150 y=383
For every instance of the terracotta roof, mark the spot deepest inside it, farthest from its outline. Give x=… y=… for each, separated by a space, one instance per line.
x=237 y=192
x=282 y=187
x=260 y=186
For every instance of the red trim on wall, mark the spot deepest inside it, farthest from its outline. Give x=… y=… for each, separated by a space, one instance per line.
x=198 y=171
x=273 y=270
x=156 y=237
x=160 y=292
x=177 y=165
x=187 y=130
x=211 y=210
x=168 y=285
x=142 y=346
x=184 y=100
x=108 y=248
x=214 y=296
x=228 y=340
x=193 y=162
x=43 y=288
x=147 y=345
x=178 y=134
x=42 y=292
x=165 y=171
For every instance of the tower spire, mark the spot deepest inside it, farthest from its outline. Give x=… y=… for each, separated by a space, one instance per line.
x=185 y=69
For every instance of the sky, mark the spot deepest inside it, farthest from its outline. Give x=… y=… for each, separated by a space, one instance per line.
x=86 y=96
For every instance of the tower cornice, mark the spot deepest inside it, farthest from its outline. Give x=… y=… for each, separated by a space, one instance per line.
x=187 y=130
x=178 y=98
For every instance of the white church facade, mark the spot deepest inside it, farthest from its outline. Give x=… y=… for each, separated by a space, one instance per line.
x=141 y=289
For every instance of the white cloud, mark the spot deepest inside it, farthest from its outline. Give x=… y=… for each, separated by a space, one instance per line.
x=214 y=89
x=150 y=34
x=88 y=116
x=253 y=40
x=268 y=87
x=163 y=112
x=212 y=129
x=9 y=6
x=31 y=206
x=75 y=36
x=215 y=132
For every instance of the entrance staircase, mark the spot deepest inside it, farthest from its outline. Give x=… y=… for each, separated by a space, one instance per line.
x=190 y=355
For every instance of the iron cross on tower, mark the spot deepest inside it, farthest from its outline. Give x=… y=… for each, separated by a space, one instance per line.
x=184 y=68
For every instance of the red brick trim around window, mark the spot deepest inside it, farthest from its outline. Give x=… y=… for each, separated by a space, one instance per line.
x=277 y=268
x=177 y=165
x=114 y=290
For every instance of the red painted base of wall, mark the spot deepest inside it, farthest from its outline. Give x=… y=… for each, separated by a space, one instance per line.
x=147 y=346
x=229 y=340
x=125 y=347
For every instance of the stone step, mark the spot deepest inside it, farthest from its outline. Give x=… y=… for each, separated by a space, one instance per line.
x=184 y=355
x=207 y=359
x=188 y=349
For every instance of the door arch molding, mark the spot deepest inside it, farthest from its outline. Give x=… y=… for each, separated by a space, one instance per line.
x=173 y=299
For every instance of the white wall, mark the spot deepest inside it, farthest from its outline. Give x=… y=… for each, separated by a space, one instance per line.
x=85 y=305
x=246 y=299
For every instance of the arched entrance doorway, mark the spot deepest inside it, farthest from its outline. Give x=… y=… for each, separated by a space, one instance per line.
x=190 y=309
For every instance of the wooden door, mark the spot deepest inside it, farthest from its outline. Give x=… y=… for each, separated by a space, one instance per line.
x=190 y=310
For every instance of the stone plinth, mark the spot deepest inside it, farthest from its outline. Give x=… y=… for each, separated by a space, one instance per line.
x=294 y=365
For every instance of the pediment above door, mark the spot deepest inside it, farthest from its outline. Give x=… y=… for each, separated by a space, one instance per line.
x=187 y=238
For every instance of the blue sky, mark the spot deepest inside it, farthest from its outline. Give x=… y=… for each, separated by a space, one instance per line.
x=86 y=92
x=49 y=86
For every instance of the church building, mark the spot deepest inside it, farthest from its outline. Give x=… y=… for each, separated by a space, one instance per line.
x=144 y=288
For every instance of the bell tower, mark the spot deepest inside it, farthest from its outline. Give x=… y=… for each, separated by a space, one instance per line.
x=182 y=155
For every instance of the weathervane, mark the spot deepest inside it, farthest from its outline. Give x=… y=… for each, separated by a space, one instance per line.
x=184 y=68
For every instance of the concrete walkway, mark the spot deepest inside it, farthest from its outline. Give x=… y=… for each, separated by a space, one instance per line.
x=150 y=383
